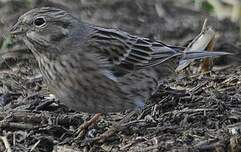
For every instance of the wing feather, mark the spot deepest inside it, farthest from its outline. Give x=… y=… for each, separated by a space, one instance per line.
x=128 y=51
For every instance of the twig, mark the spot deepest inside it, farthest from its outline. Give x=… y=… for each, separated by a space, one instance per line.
x=29 y=117
x=6 y=143
x=199 y=43
x=12 y=125
x=34 y=146
x=175 y=112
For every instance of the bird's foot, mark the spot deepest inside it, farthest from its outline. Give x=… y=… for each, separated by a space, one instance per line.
x=81 y=131
x=104 y=136
x=107 y=135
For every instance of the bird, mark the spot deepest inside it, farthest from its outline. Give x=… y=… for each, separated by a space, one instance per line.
x=96 y=69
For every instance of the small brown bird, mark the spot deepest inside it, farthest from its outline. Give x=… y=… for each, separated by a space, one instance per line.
x=95 y=69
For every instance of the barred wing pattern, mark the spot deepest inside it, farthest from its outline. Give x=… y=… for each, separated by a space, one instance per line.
x=128 y=52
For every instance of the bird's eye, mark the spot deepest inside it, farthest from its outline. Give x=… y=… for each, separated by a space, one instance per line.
x=39 y=21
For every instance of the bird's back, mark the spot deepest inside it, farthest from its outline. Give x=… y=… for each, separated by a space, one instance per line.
x=130 y=53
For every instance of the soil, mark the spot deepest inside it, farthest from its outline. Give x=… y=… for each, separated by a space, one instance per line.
x=191 y=112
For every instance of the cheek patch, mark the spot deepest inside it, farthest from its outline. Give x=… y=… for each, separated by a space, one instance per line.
x=31 y=34
x=38 y=37
x=59 y=35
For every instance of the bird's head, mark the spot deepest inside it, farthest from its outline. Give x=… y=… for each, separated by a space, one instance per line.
x=44 y=27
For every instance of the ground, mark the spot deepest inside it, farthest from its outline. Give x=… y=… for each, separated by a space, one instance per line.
x=191 y=112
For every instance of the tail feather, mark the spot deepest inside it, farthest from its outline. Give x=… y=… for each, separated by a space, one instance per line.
x=192 y=55
x=189 y=56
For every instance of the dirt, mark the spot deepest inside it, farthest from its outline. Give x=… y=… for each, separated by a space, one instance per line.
x=191 y=112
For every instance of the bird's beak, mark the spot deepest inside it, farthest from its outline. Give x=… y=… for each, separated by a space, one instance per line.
x=16 y=29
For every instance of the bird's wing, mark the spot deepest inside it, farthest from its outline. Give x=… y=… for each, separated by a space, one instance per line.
x=128 y=51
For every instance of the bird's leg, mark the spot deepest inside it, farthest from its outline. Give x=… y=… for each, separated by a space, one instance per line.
x=82 y=128
x=113 y=129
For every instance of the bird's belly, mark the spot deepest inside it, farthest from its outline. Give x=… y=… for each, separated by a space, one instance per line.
x=89 y=100
x=82 y=91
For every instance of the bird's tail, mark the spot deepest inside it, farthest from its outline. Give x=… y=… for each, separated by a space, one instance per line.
x=192 y=55
x=188 y=56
